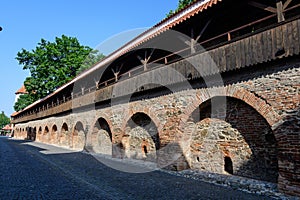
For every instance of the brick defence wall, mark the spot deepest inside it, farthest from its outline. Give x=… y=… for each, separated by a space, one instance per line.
x=247 y=127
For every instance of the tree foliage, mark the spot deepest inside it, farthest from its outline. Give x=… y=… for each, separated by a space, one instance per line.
x=23 y=101
x=3 y=120
x=181 y=4
x=52 y=64
x=90 y=60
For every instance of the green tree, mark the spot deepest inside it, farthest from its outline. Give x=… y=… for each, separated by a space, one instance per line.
x=181 y=4
x=3 y=120
x=90 y=60
x=52 y=64
x=23 y=101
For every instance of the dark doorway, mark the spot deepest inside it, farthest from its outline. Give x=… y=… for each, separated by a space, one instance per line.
x=228 y=165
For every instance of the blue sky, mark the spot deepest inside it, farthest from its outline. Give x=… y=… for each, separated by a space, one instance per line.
x=25 y=22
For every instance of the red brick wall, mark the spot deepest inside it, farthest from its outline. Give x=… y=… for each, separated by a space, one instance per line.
x=247 y=131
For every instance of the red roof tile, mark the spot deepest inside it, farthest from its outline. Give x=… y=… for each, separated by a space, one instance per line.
x=14 y=114
x=7 y=128
x=22 y=90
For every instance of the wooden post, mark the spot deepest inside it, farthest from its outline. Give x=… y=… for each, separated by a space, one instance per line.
x=116 y=75
x=117 y=72
x=146 y=59
x=228 y=36
x=192 y=42
x=280 y=7
x=280 y=16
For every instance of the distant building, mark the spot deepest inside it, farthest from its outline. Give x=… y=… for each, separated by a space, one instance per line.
x=6 y=130
x=20 y=92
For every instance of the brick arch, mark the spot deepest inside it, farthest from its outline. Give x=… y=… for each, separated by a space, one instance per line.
x=31 y=133
x=46 y=128
x=243 y=122
x=45 y=135
x=100 y=137
x=106 y=120
x=54 y=134
x=78 y=125
x=145 y=111
x=63 y=139
x=146 y=143
x=63 y=125
x=54 y=126
x=40 y=130
x=34 y=132
x=260 y=105
x=77 y=138
x=79 y=121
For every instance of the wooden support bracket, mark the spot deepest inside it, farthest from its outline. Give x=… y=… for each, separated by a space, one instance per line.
x=286 y=4
x=279 y=10
x=146 y=59
x=193 y=42
x=280 y=16
x=117 y=72
x=263 y=7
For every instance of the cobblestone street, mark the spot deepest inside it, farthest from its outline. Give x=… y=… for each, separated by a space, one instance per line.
x=31 y=170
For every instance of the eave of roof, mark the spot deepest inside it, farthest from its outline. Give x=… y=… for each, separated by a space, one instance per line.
x=164 y=25
x=14 y=114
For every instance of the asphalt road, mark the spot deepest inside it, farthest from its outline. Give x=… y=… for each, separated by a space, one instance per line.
x=31 y=170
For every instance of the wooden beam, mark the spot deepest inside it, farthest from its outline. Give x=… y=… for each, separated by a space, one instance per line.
x=190 y=42
x=202 y=31
x=228 y=36
x=117 y=72
x=263 y=7
x=146 y=59
x=280 y=16
x=286 y=4
x=185 y=40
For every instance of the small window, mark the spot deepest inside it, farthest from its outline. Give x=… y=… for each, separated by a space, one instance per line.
x=228 y=165
x=145 y=149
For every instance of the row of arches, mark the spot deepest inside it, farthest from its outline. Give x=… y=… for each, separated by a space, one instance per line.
x=233 y=138
x=51 y=135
